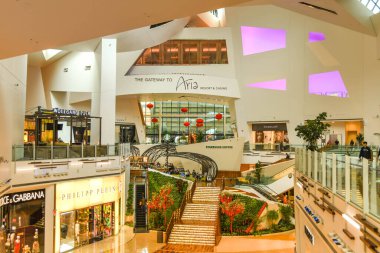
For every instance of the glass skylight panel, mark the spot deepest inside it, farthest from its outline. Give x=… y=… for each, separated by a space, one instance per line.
x=372 y=5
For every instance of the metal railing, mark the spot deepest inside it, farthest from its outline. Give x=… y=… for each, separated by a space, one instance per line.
x=49 y=152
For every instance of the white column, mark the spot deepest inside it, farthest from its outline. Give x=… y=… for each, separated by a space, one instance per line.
x=104 y=96
x=13 y=76
x=315 y=166
x=334 y=173
x=365 y=187
x=309 y=163
x=324 y=169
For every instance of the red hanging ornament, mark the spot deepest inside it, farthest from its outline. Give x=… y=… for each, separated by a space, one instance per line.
x=154 y=120
x=199 y=125
x=186 y=123
x=150 y=105
x=183 y=109
x=219 y=116
x=199 y=121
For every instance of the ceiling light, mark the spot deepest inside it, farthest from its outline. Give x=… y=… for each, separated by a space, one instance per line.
x=351 y=221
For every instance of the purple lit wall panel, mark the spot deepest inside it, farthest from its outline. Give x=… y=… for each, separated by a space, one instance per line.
x=257 y=40
x=271 y=85
x=327 y=84
x=315 y=37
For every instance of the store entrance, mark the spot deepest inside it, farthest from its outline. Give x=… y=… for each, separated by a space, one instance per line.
x=86 y=225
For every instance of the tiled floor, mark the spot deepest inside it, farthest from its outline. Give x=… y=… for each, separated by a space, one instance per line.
x=280 y=243
x=127 y=242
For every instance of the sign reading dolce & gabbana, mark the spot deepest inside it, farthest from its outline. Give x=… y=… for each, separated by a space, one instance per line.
x=21 y=197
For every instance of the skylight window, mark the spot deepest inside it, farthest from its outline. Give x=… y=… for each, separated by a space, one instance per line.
x=50 y=53
x=372 y=5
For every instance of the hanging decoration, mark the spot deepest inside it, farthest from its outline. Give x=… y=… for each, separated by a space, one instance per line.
x=199 y=121
x=219 y=116
x=183 y=109
x=154 y=120
x=150 y=105
x=186 y=123
x=199 y=125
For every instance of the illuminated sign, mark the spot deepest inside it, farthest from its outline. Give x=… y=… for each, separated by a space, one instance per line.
x=309 y=235
x=22 y=197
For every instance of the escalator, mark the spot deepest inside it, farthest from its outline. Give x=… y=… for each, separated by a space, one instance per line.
x=140 y=224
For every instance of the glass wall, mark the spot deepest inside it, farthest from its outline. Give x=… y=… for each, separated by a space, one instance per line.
x=175 y=52
x=170 y=117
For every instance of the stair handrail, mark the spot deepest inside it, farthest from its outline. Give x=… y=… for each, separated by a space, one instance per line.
x=177 y=214
x=218 y=229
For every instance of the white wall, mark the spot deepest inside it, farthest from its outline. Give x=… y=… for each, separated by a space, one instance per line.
x=127 y=111
x=76 y=79
x=34 y=90
x=12 y=105
x=355 y=56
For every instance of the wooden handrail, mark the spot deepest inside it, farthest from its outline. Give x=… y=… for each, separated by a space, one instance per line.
x=177 y=214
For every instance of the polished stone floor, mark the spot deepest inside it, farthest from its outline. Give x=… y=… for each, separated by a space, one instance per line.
x=127 y=242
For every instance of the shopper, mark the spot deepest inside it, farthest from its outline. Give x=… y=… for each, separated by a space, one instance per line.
x=352 y=143
x=365 y=152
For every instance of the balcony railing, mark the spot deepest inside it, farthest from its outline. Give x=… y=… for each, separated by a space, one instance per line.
x=355 y=181
x=33 y=152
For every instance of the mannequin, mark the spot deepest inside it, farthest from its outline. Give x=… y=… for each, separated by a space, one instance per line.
x=17 y=245
x=8 y=244
x=76 y=231
x=26 y=249
x=36 y=244
x=13 y=234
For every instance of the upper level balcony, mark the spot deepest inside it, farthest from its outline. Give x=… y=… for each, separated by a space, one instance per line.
x=38 y=164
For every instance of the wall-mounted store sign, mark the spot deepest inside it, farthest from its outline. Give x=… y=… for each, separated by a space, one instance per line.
x=83 y=193
x=309 y=235
x=269 y=127
x=20 y=197
x=219 y=147
x=178 y=83
x=70 y=112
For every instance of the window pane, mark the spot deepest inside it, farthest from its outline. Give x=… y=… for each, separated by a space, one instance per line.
x=171 y=52
x=190 y=53
x=223 y=52
x=208 y=50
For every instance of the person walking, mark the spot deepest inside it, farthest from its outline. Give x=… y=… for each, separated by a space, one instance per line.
x=365 y=152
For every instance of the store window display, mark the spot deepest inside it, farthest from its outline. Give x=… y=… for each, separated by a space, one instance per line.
x=86 y=225
x=23 y=221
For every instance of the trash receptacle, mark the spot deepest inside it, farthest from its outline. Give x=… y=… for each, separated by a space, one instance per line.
x=160 y=236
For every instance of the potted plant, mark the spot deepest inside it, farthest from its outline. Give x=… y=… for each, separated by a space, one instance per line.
x=359 y=139
x=312 y=131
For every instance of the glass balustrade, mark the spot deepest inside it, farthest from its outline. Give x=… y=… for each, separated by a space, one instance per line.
x=48 y=152
x=356 y=187
x=329 y=163
x=341 y=175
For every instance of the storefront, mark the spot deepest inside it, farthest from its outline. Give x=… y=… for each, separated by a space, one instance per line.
x=59 y=126
x=342 y=132
x=87 y=211
x=270 y=135
x=22 y=222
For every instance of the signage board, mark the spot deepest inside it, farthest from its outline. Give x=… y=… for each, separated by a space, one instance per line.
x=83 y=193
x=269 y=127
x=178 y=83
x=309 y=235
x=21 y=197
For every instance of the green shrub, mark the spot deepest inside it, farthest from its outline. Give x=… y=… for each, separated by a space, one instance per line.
x=286 y=213
x=272 y=216
x=156 y=181
x=129 y=210
x=243 y=220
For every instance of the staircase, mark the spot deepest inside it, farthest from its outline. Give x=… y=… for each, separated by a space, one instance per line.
x=140 y=213
x=199 y=221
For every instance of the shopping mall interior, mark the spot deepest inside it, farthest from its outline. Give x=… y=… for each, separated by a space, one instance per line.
x=190 y=126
